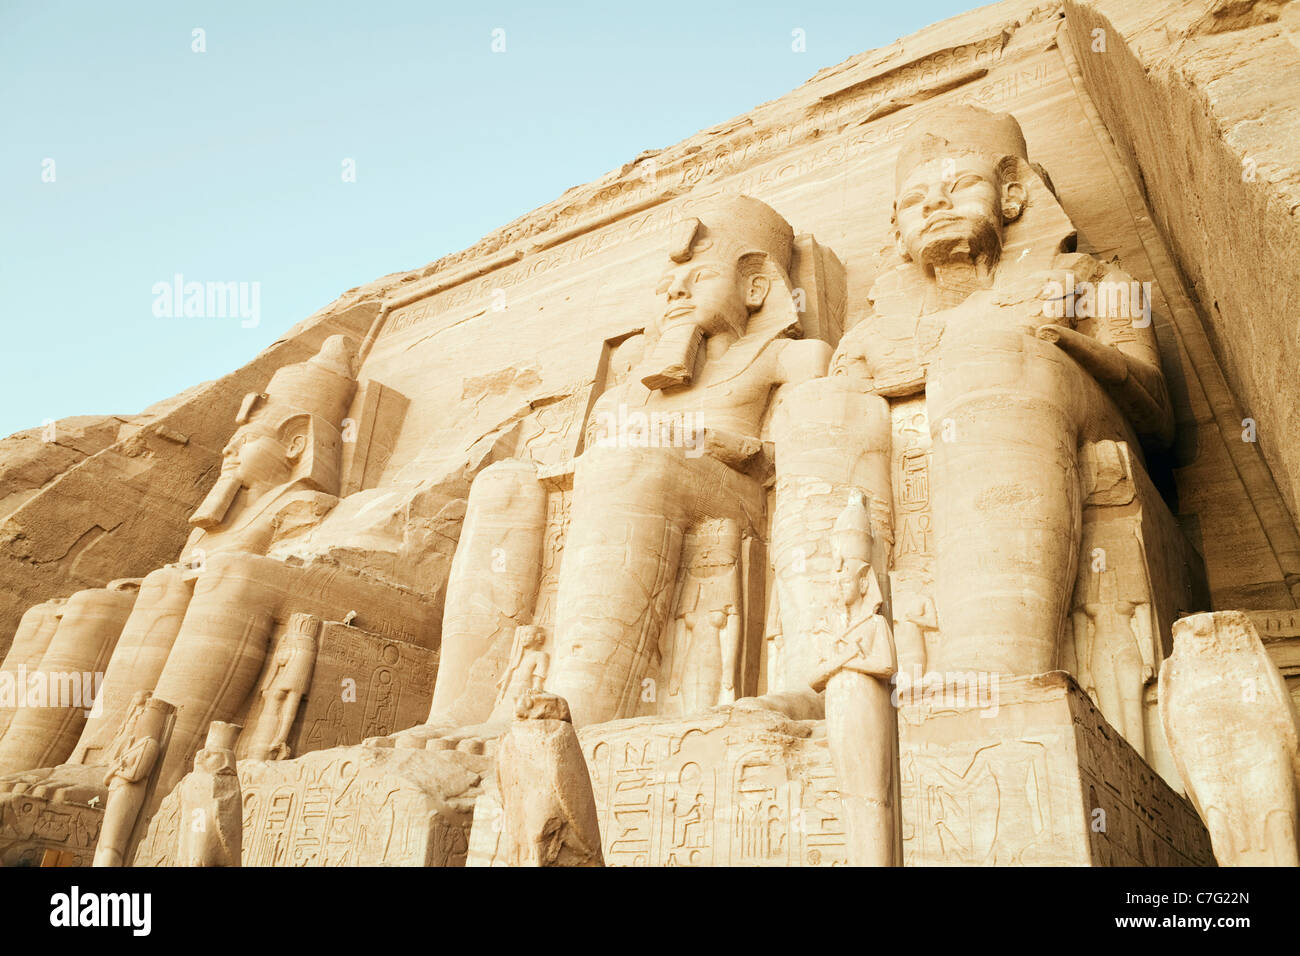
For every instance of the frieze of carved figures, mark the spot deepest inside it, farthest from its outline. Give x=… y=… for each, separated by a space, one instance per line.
x=548 y=810
x=1232 y=728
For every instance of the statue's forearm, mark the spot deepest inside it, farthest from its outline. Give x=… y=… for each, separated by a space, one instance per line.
x=1136 y=386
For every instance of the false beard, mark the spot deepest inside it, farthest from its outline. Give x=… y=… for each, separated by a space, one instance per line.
x=217 y=504
x=979 y=250
x=673 y=360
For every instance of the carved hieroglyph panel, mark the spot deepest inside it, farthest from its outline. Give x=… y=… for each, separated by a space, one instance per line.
x=32 y=825
x=715 y=790
x=363 y=685
x=1020 y=786
x=1030 y=773
x=354 y=806
x=910 y=467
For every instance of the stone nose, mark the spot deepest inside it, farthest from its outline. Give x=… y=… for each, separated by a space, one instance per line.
x=679 y=287
x=936 y=199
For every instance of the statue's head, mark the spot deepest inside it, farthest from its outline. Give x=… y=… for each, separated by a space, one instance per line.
x=153 y=719
x=531 y=637
x=304 y=629
x=960 y=179
x=290 y=433
x=722 y=265
x=218 y=753
x=851 y=543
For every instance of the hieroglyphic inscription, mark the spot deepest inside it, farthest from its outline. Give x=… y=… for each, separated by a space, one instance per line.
x=698 y=792
x=347 y=808
x=32 y=825
x=362 y=686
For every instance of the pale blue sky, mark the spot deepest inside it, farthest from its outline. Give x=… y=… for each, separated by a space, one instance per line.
x=227 y=165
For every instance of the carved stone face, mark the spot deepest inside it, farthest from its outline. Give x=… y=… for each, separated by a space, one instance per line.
x=258 y=456
x=708 y=292
x=950 y=209
x=851 y=581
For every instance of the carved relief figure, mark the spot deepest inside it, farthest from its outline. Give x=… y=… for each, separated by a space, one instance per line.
x=128 y=781
x=855 y=663
x=708 y=627
x=287 y=680
x=529 y=663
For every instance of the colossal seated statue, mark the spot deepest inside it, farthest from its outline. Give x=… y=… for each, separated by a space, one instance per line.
x=644 y=607
x=197 y=633
x=1027 y=360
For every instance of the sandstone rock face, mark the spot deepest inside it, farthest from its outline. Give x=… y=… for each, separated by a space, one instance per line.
x=963 y=368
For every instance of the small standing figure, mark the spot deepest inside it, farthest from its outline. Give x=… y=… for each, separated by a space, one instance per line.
x=548 y=808
x=914 y=621
x=529 y=664
x=128 y=781
x=287 y=681
x=708 y=628
x=855 y=663
x=212 y=814
x=124 y=736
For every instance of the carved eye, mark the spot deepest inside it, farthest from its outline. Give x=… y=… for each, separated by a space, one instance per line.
x=911 y=199
x=704 y=272
x=967 y=181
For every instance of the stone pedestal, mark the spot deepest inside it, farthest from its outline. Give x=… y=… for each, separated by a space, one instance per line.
x=1026 y=771
x=1016 y=771
x=350 y=806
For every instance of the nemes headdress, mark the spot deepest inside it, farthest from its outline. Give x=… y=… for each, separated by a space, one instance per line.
x=734 y=226
x=959 y=128
x=322 y=386
x=315 y=395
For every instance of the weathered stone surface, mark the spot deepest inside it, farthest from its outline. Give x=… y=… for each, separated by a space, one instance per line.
x=936 y=363
x=351 y=806
x=1234 y=735
x=1027 y=774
